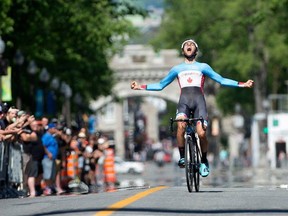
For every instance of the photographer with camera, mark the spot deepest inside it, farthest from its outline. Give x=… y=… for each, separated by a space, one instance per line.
x=15 y=134
x=29 y=139
x=9 y=123
x=34 y=168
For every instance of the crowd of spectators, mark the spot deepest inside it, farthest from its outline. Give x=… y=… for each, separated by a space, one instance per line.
x=53 y=154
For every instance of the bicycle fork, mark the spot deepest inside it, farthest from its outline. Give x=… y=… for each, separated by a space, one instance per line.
x=196 y=148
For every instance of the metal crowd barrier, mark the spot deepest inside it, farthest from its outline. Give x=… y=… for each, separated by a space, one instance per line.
x=2 y=162
x=11 y=172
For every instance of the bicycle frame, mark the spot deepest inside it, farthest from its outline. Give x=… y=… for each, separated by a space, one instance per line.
x=192 y=152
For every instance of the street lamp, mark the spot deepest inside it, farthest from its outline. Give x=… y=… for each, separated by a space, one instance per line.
x=77 y=99
x=2 y=46
x=66 y=90
x=32 y=70
x=32 y=67
x=51 y=97
x=55 y=83
x=2 y=65
x=18 y=60
x=44 y=77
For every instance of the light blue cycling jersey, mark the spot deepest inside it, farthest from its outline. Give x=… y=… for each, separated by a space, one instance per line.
x=191 y=75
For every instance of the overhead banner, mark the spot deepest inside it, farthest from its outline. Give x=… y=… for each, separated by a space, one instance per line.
x=6 y=85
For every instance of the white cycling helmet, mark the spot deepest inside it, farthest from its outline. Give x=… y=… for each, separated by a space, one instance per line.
x=189 y=40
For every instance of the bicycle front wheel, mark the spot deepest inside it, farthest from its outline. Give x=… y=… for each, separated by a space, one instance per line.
x=189 y=163
x=196 y=165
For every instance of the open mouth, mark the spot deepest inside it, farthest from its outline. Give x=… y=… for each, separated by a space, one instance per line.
x=189 y=49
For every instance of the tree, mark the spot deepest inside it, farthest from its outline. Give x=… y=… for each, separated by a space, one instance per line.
x=238 y=38
x=72 y=39
x=6 y=22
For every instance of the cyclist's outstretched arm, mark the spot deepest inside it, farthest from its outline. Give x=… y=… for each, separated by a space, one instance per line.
x=155 y=86
x=248 y=84
x=225 y=81
x=136 y=86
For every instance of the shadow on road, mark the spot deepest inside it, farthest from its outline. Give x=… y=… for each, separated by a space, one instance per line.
x=170 y=211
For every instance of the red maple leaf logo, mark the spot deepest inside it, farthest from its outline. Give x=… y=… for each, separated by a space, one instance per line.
x=189 y=80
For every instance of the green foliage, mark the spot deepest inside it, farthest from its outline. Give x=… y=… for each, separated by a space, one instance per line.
x=240 y=39
x=228 y=97
x=169 y=113
x=72 y=39
x=6 y=22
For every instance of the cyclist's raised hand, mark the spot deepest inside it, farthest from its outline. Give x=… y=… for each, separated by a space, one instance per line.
x=249 y=84
x=134 y=85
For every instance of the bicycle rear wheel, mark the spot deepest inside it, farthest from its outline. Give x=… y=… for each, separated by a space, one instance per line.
x=189 y=163
x=196 y=165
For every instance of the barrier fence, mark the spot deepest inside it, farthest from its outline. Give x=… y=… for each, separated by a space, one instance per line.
x=11 y=171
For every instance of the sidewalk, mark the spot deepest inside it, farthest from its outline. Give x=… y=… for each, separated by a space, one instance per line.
x=249 y=177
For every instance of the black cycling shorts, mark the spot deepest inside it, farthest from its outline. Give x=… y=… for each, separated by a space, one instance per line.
x=192 y=100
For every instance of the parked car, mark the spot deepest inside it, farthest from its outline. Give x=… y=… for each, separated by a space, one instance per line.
x=133 y=167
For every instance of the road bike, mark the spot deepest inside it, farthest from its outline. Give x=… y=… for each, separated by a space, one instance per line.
x=192 y=152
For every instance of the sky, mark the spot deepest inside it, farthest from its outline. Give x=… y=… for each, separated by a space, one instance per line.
x=147 y=26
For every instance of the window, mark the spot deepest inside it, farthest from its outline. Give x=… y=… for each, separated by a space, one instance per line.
x=139 y=59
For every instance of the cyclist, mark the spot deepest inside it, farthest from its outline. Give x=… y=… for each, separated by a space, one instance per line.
x=191 y=77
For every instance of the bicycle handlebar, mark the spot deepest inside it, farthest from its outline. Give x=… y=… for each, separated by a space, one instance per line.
x=187 y=120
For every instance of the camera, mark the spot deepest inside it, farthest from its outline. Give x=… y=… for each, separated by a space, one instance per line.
x=25 y=130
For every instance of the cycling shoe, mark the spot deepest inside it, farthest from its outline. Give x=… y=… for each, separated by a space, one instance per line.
x=204 y=169
x=181 y=163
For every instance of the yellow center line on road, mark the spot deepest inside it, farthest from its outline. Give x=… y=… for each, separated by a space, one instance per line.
x=121 y=204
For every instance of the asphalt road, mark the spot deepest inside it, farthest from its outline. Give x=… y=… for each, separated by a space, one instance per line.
x=162 y=191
